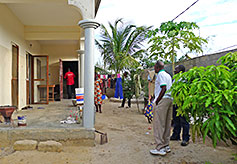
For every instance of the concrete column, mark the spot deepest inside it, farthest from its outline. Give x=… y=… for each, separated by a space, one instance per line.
x=81 y=67
x=88 y=112
x=79 y=71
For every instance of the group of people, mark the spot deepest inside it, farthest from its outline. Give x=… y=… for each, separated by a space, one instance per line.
x=162 y=110
x=124 y=84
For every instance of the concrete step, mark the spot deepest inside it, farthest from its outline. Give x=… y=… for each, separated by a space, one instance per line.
x=50 y=146
x=47 y=146
x=25 y=145
x=66 y=136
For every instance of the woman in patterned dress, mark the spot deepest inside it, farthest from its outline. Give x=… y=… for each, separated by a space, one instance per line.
x=98 y=93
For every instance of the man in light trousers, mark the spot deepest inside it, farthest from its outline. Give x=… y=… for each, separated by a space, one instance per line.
x=162 y=110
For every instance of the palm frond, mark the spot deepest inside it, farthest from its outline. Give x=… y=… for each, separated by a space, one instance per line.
x=120 y=45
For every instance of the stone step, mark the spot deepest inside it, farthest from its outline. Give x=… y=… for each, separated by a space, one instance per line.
x=50 y=146
x=25 y=145
x=46 y=146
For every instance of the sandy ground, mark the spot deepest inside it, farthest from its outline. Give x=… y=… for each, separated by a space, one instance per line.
x=129 y=143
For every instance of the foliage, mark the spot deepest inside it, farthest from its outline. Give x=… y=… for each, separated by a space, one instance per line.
x=171 y=37
x=145 y=62
x=121 y=44
x=209 y=95
x=100 y=70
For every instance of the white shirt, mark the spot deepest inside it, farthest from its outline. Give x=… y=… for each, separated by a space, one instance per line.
x=162 y=79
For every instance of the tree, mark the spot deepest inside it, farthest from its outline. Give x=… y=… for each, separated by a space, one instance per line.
x=209 y=95
x=121 y=44
x=171 y=37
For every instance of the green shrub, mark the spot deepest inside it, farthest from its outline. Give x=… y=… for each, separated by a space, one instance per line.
x=209 y=95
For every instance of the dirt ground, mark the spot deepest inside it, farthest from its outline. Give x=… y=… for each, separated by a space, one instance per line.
x=129 y=143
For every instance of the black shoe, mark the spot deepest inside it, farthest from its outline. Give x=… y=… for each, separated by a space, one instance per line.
x=172 y=138
x=184 y=143
x=121 y=107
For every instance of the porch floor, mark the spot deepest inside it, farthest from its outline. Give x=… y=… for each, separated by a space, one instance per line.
x=43 y=123
x=47 y=116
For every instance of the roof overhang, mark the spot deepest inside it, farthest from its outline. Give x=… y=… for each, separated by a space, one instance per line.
x=97 y=5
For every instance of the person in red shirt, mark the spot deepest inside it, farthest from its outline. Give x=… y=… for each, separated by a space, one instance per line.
x=69 y=76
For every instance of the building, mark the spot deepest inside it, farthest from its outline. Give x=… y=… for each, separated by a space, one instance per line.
x=37 y=38
x=205 y=60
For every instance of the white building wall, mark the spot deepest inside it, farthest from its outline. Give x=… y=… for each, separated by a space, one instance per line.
x=12 y=32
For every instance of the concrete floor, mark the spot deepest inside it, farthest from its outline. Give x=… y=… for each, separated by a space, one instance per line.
x=43 y=123
x=48 y=116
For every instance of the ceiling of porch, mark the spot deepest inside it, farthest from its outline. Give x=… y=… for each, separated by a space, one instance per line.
x=46 y=14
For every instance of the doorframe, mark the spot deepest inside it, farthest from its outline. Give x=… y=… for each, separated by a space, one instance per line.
x=61 y=78
x=33 y=79
x=78 y=73
x=17 y=47
x=29 y=80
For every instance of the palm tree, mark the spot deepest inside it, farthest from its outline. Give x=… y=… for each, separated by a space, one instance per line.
x=121 y=44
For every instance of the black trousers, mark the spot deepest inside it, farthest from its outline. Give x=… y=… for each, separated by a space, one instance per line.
x=180 y=122
x=129 y=102
x=69 y=91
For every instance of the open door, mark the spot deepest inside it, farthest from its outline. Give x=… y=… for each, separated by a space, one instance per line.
x=28 y=79
x=61 y=78
x=15 y=74
x=40 y=82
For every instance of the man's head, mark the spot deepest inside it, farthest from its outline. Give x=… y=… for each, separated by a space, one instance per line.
x=68 y=69
x=158 y=66
x=179 y=68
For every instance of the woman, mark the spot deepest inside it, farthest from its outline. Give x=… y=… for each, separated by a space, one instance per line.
x=98 y=93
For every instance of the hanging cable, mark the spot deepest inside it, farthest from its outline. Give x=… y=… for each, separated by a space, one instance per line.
x=227 y=48
x=185 y=10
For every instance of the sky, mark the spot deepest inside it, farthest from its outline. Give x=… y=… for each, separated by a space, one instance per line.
x=217 y=19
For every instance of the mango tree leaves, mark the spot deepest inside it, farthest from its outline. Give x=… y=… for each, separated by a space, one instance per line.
x=170 y=37
x=209 y=95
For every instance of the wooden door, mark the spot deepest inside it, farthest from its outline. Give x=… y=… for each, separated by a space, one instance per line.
x=14 y=81
x=40 y=79
x=61 y=78
x=28 y=78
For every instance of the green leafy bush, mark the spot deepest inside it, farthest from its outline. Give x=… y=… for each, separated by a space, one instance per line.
x=209 y=95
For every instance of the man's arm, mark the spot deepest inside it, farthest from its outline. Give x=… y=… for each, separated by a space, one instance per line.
x=162 y=93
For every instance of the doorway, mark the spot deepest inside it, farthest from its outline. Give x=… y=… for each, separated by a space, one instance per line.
x=29 y=79
x=73 y=65
x=40 y=79
x=15 y=74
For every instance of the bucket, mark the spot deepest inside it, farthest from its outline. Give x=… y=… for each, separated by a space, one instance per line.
x=21 y=120
x=80 y=95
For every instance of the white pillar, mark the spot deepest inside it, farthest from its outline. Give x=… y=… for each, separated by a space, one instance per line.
x=79 y=70
x=88 y=112
x=82 y=61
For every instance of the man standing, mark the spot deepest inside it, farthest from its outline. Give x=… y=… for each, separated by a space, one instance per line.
x=162 y=110
x=180 y=121
x=69 y=76
x=128 y=90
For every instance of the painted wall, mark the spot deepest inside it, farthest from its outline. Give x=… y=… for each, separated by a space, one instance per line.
x=12 y=31
x=66 y=52
x=204 y=61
